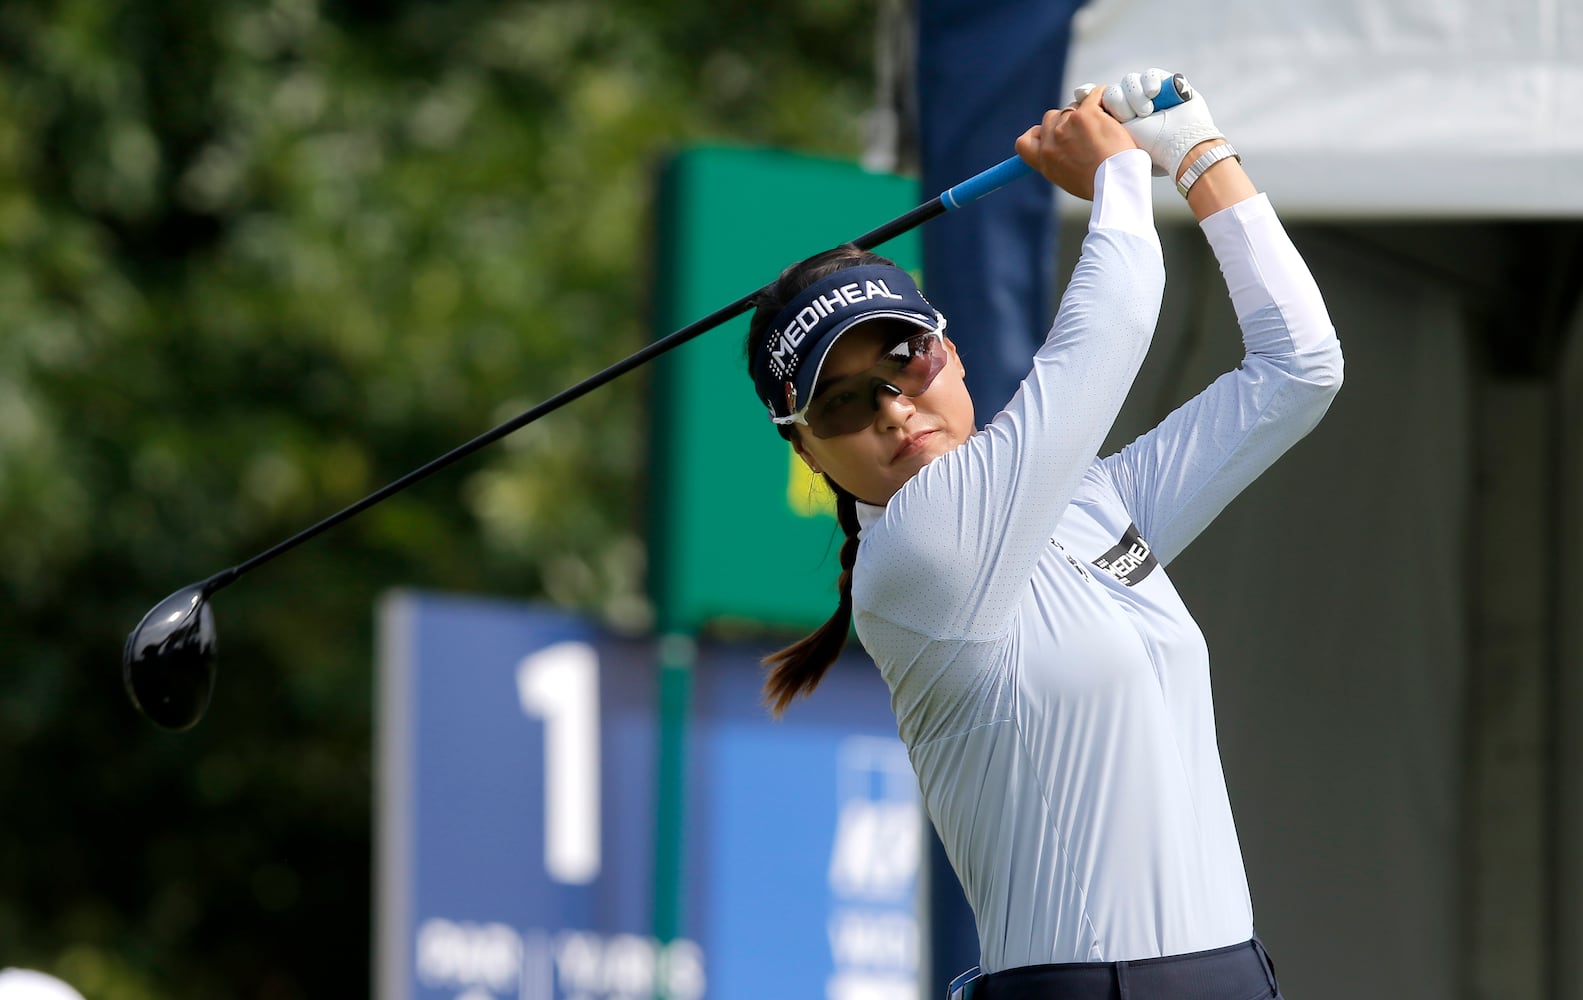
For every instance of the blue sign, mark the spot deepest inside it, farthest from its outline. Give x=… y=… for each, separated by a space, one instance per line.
x=517 y=817
x=516 y=808
x=809 y=837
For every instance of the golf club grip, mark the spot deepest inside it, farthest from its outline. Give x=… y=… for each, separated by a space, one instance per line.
x=1013 y=168
x=980 y=184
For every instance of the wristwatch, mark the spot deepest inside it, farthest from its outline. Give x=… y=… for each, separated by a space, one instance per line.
x=1211 y=156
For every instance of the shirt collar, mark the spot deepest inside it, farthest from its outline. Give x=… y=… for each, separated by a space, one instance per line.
x=868 y=514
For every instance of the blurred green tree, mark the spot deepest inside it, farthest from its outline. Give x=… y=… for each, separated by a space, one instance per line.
x=256 y=259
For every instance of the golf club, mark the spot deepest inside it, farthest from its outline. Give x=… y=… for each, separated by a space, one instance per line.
x=168 y=663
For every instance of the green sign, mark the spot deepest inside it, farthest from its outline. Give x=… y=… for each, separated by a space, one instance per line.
x=739 y=529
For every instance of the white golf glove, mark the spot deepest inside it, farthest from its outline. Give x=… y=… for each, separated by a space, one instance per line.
x=1166 y=135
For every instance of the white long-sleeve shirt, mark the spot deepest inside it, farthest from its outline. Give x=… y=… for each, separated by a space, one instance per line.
x=1051 y=688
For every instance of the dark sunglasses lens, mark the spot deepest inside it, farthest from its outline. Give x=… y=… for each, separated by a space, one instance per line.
x=843 y=410
x=924 y=360
x=851 y=404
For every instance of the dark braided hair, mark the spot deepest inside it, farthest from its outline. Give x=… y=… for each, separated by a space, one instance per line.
x=798 y=669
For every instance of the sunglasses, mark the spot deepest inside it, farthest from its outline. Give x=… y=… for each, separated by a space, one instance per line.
x=848 y=404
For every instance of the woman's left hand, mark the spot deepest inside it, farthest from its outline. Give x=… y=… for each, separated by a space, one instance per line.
x=1071 y=143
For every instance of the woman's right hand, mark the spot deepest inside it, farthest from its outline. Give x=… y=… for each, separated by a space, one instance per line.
x=1071 y=143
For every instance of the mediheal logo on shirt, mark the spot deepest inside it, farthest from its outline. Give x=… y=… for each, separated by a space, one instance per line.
x=1131 y=560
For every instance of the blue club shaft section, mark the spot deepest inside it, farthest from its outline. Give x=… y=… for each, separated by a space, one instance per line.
x=1013 y=168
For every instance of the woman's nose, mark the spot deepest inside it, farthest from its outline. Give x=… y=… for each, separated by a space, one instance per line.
x=891 y=405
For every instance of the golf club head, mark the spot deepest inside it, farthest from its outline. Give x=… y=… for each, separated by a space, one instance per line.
x=168 y=663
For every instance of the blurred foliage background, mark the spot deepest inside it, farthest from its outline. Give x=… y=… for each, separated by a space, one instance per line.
x=257 y=259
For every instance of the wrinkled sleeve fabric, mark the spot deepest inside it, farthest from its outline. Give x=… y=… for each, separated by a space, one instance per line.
x=1175 y=479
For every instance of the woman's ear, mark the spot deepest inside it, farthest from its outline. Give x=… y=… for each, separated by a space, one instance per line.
x=802 y=453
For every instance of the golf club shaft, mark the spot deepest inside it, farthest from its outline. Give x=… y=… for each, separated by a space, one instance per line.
x=955 y=197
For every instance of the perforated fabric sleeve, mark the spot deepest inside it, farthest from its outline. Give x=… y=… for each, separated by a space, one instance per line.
x=961 y=538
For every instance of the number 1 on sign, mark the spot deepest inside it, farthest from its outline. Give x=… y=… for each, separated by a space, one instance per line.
x=560 y=685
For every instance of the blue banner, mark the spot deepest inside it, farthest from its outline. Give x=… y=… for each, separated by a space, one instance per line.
x=809 y=837
x=517 y=816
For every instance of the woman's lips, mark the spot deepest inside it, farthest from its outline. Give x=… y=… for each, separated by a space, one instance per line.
x=911 y=444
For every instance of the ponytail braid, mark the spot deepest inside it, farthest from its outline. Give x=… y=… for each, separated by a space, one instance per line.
x=798 y=669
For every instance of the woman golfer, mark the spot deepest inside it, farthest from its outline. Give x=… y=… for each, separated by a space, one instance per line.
x=1051 y=688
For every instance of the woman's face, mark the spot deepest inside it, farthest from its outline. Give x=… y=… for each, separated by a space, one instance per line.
x=906 y=433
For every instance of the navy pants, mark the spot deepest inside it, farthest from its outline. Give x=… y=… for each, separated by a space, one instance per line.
x=1239 y=972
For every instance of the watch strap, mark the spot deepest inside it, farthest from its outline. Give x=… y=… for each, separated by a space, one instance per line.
x=1210 y=157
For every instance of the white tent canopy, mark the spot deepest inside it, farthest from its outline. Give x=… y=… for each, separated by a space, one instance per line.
x=1425 y=109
